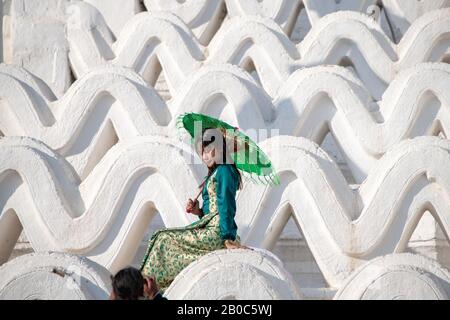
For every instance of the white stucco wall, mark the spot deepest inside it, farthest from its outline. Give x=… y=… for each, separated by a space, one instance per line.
x=346 y=95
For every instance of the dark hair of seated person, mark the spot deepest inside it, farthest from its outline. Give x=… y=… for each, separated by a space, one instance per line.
x=128 y=284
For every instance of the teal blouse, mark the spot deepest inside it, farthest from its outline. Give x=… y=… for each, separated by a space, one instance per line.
x=227 y=180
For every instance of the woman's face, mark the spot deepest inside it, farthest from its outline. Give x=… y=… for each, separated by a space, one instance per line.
x=208 y=156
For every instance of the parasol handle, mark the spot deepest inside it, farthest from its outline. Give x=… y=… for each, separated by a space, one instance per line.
x=198 y=194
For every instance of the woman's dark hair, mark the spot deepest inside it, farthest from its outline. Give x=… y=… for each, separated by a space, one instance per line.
x=128 y=284
x=206 y=143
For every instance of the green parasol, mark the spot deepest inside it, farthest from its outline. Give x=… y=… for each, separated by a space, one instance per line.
x=248 y=157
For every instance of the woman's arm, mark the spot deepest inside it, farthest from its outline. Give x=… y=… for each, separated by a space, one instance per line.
x=227 y=183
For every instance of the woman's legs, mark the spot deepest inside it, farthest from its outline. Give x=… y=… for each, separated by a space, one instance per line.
x=172 y=250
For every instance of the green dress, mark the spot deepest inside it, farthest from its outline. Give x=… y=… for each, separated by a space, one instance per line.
x=171 y=250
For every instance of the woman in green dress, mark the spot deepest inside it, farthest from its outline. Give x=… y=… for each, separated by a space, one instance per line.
x=171 y=250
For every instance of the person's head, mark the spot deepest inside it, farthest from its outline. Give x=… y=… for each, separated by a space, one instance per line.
x=210 y=147
x=129 y=284
x=213 y=149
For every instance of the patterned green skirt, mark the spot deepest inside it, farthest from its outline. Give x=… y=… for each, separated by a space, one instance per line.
x=171 y=250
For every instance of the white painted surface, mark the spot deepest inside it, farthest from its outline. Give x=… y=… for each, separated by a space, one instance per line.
x=38 y=41
x=235 y=274
x=97 y=147
x=397 y=277
x=53 y=276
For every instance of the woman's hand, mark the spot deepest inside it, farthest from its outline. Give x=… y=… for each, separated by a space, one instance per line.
x=230 y=244
x=193 y=207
